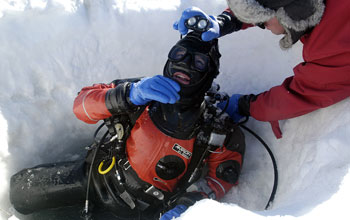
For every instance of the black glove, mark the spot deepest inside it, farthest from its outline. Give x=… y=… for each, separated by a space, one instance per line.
x=228 y=23
x=244 y=104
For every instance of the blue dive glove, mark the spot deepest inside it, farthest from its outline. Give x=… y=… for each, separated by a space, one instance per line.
x=175 y=212
x=214 y=28
x=158 y=88
x=232 y=108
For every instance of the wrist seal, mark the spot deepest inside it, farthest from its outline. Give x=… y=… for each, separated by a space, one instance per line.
x=228 y=23
x=117 y=99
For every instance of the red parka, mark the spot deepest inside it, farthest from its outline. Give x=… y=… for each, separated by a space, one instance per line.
x=321 y=80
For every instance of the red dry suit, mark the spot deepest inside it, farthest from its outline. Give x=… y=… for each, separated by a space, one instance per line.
x=147 y=145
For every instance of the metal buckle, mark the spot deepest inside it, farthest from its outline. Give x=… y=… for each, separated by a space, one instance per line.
x=126 y=165
x=153 y=191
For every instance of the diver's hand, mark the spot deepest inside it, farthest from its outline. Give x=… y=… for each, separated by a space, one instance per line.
x=157 y=88
x=232 y=108
x=214 y=28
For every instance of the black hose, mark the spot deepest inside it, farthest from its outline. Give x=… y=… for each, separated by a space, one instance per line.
x=96 y=132
x=92 y=163
x=226 y=98
x=275 y=182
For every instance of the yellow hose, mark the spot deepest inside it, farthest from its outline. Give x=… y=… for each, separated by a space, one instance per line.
x=103 y=172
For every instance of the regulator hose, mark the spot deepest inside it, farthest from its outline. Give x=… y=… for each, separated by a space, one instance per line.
x=275 y=170
x=97 y=144
x=275 y=181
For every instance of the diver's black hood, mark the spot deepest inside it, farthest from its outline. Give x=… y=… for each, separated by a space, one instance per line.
x=181 y=120
x=200 y=82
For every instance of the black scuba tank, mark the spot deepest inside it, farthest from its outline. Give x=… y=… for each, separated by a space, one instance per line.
x=48 y=186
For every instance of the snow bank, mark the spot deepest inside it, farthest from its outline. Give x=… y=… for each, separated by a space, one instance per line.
x=50 y=49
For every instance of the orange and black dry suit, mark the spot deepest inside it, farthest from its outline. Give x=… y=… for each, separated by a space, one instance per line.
x=157 y=157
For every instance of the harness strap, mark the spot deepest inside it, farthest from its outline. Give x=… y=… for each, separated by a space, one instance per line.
x=209 y=138
x=200 y=151
x=146 y=188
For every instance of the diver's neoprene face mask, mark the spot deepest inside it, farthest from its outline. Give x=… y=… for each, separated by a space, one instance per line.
x=188 y=69
x=199 y=61
x=190 y=62
x=194 y=64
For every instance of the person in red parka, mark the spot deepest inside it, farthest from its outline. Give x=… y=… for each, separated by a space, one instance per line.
x=323 y=79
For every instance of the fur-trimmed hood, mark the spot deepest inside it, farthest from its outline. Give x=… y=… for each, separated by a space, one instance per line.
x=296 y=16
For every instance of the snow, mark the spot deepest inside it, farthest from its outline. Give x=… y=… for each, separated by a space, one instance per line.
x=50 y=49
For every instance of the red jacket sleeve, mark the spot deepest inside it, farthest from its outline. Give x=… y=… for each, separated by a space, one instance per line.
x=219 y=186
x=312 y=87
x=89 y=105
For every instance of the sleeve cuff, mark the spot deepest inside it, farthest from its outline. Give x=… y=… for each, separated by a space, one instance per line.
x=117 y=99
x=244 y=104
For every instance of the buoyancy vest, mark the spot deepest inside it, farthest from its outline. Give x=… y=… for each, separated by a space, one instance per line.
x=157 y=158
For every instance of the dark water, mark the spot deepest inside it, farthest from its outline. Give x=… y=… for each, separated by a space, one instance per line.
x=68 y=213
x=75 y=213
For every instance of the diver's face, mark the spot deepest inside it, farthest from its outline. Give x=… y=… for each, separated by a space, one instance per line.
x=186 y=66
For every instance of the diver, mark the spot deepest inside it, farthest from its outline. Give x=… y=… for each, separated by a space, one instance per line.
x=167 y=145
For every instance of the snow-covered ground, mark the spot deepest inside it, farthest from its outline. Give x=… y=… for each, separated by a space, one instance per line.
x=50 y=49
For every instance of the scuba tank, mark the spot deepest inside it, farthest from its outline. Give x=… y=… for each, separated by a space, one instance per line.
x=48 y=186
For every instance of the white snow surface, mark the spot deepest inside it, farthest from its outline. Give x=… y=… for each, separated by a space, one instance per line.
x=50 y=49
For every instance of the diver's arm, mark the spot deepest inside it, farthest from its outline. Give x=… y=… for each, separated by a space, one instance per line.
x=229 y=23
x=101 y=101
x=224 y=170
x=224 y=167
